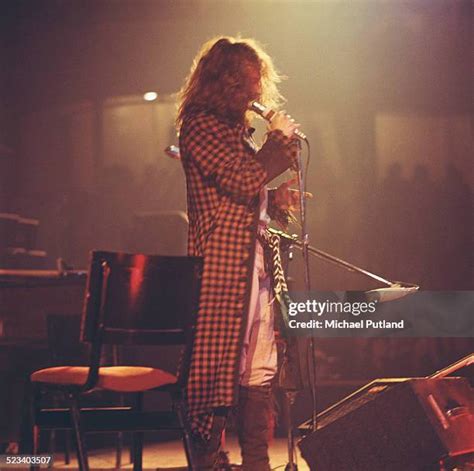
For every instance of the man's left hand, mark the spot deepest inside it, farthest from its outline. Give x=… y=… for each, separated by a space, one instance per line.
x=287 y=198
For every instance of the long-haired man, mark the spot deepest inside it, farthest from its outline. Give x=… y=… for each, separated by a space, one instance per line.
x=234 y=356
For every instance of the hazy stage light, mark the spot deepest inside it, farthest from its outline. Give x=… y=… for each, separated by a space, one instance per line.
x=150 y=96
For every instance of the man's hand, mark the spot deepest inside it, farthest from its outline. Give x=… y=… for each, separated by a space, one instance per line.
x=283 y=122
x=288 y=199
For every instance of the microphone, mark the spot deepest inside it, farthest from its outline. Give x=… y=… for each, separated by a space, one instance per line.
x=268 y=114
x=173 y=152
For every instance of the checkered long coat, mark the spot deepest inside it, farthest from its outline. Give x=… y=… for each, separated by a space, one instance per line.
x=224 y=175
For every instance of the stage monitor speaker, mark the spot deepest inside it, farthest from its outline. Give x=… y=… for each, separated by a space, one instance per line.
x=392 y=425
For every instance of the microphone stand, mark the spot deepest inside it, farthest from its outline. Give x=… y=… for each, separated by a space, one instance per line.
x=304 y=231
x=294 y=241
x=307 y=279
x=290 y=395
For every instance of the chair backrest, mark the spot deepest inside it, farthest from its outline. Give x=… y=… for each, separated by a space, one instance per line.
x=141 y=299
x=63 y=339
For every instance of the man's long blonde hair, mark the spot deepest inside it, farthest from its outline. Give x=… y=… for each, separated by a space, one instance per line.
x=218 y=81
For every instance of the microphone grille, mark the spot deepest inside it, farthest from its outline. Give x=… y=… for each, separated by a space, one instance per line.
x=258 y=108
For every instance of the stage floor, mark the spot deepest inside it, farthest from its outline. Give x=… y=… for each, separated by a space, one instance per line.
x=160 y=456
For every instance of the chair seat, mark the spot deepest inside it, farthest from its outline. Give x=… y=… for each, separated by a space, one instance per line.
x=112 y=378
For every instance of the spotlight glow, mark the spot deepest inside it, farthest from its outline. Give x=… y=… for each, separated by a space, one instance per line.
x=150 y=96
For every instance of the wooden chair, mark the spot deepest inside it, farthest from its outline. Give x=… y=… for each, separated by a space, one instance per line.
x=65 y=348
x=131 y=299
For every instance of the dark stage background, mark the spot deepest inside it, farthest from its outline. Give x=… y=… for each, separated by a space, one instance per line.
x=383 y=90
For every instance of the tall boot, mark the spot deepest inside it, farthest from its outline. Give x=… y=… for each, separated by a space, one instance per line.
x=254 y=416
x=205 y=454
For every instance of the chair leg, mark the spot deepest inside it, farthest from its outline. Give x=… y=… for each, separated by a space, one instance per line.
x=138 y=439
x=35 y=430
x=67 y=447
x=52 y=442
x=35 y=445
x=179 y=407
x=79 y=434
x=131 y=453
x=137 y=451
x=118 y=451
